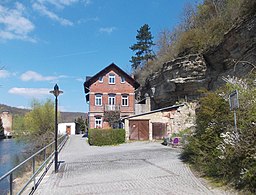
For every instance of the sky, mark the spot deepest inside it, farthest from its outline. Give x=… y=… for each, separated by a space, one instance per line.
x=44 y=42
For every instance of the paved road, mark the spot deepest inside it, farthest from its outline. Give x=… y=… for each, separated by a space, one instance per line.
x=132 y=168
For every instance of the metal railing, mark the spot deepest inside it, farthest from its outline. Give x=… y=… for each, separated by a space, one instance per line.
x=47 y=162
x=109 y=107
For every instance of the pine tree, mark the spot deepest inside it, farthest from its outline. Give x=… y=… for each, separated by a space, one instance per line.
x=143 y=50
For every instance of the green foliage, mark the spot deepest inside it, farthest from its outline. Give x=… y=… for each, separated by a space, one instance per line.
x=216 y=148
x=82 y=124
x=182 y=133
x=101 y=137
x=112 y=117
x=37 y=126
x=18 y=124
x=41 y=118
x=143 y=50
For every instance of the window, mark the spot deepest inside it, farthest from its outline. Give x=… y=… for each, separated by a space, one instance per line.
x=101 y=79
x=98 y=122
x=112 y=79
x=124 y=100
x=122 y=80
x=98 y=100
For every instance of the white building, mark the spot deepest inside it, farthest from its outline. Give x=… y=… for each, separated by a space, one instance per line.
x=67 y=128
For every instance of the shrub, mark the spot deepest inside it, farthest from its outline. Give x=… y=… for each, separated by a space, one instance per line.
x=101 y=137
x=216 y=148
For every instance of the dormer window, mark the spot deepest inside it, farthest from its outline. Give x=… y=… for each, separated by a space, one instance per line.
x=101 y=79
x=112 y=79
x=122 y=80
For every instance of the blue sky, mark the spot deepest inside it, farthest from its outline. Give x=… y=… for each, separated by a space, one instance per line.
x=44 y=42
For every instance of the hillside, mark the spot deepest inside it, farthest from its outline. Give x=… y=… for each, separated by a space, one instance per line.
x=65 y=116
x=200 y=62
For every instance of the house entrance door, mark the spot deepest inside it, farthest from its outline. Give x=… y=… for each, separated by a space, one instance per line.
x=68 y=130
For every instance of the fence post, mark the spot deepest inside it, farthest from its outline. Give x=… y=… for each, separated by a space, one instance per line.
x=45 y=159
x=34 y=168
x=11 y=178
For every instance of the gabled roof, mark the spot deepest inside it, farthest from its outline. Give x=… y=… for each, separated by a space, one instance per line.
x=104 y=71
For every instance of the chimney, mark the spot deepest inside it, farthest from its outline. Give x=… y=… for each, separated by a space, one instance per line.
x=148 y=102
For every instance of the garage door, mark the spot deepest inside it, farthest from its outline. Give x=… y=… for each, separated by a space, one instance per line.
x=159 y=130
x=139 y=129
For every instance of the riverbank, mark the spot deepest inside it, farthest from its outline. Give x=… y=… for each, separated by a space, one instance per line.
x=6 y=137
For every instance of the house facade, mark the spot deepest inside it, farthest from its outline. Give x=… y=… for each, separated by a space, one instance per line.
x=109 y=91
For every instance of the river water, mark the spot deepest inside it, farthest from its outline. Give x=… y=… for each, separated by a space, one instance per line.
x=11 y=154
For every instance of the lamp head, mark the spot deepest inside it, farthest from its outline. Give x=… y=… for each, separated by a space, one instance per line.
x=56 y=88
x=56 y=92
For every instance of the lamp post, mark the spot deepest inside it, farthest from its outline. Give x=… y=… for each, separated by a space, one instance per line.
x=56 y=92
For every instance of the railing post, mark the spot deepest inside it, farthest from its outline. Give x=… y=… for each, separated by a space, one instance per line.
x=34 y=169
x=11 y=178
x=45 y=159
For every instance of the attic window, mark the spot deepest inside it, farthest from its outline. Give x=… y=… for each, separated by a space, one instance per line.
x=112 y=79
x=101 y=79
x=122 y=80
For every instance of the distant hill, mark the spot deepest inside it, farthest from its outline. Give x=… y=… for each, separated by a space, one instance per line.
x=65 y=116
x=13 y=110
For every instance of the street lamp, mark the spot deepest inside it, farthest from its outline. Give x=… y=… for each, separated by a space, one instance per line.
x=56 y=92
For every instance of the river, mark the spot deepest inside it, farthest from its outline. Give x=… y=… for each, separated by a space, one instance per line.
x=11 y=154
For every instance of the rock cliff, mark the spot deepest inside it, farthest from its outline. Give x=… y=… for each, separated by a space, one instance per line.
x=181 y=78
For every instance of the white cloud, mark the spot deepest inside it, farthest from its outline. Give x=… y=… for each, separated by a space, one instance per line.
x=108 y=30
x=46 y=12
x=80 y=80
x=15 y=24
x=85 y=20
x=30 y=92
x=31 y=75
x=43 y=7
x=63 y=3
x=4 y=74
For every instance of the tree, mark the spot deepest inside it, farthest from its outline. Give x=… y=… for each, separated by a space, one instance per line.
x=82 y=124
x=39 y=123
x=113 y=118
x=41 y=118
x=143 y=50
x=18 y=124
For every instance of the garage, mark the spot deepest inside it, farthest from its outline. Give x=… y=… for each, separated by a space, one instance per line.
x=159 y=130
x=155 y=124
x=139 y=130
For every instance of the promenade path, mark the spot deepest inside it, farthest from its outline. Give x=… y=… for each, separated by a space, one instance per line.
x=131 y=168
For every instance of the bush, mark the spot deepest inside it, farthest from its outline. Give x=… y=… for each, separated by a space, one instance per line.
x=216 y=148
x=101 y=137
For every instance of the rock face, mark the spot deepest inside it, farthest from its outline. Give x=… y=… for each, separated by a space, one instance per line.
x=180 y=79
